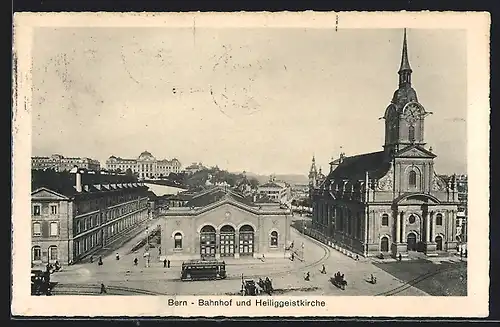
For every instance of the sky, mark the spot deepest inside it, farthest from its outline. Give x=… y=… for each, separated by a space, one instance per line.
x=262 y=100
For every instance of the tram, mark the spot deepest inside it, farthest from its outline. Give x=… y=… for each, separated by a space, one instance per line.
x=40 y=283
x=203 y=270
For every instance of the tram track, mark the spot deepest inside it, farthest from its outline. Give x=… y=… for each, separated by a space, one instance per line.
x=326 y=255
x=94 y=289
x=415 y=281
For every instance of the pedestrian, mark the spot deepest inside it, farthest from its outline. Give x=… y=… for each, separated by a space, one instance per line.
x=168 y=263
x=400 y=257
x=100 y=261
x=117 y=256
x=357 y=257
x=159 y=251
x=164 y=263
x=135 y=261
x=292 y=256
x=323 y=269
x=307 y=277
x=103 y=289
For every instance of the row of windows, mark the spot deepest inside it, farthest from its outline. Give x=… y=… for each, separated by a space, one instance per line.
x=36 y=253
x=92 y=221
x=95 y=204
x=88 y=242
x=37 y=209
x=225 y=239
x=412 y=219
x=53 y=228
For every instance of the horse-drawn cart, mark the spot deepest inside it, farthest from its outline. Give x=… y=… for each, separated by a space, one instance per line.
x=338 y=281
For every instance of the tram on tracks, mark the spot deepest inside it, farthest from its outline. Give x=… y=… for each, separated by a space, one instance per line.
x=203 y=270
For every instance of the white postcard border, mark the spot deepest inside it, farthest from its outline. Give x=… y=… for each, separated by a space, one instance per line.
x=474 y=305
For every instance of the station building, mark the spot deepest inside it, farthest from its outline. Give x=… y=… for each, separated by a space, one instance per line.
x=221 y=223
x=391 y=201
x=73 y=215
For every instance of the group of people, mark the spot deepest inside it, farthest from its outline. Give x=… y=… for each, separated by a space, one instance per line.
x=266 y=285
x=53 y=267
x=99 y=261
x=338 y=277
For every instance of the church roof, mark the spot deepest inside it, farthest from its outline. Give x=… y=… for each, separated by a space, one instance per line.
x=356 y=167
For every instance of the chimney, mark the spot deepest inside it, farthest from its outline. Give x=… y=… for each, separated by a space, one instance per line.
x=78 y=185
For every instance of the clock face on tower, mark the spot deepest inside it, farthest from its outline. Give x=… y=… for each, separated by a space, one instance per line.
x=412 y=111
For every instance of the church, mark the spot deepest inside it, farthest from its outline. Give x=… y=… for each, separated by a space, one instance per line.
x=390 y=202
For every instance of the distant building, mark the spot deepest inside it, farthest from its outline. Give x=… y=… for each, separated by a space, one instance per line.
x=315 y=177
x=219 y=223
x=145 y=166
x=58 y=162
x=390 y=201
x=194 y=168
x=277 y=191
x=76 y=214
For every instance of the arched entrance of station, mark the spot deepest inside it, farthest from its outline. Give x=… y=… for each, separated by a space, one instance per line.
x=227 y=239
x=384 y=244
x=439 y=243
x=246 y=247
x=411 y=241
x=207 y=242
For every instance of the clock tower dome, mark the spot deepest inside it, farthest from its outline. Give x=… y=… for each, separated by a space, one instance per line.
x=404 y=117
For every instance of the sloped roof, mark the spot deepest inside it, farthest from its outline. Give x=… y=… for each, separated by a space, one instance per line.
x=214 y=195
x=356 y=167
x=64 y=183
x=271 y=184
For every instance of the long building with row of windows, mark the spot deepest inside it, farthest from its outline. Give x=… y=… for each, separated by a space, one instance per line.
x=145 y=166
x=74 y=214
x=58 y=162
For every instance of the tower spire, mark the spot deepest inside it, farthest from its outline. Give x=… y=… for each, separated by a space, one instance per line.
x=405 y=69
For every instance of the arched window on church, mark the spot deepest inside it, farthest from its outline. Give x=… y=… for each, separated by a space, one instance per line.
x=411 y=133
x=412 y=178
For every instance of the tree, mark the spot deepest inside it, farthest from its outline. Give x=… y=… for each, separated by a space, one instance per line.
x=254 y=183
x=129 y=172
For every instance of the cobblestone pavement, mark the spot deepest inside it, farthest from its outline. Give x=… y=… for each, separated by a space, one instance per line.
x=287 y=275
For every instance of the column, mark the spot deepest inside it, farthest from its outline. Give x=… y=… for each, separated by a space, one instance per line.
x=398 y=229
x=217 y=245
x=428 y=228
x=403 y=228
x=367 y=216
x=434 y=229
x=452 y=217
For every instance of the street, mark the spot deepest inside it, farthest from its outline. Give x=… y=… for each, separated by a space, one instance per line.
x=287 y=275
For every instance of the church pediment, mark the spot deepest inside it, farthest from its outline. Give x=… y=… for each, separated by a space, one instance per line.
x=414 y=151
x=413 y=198
x=46 y=194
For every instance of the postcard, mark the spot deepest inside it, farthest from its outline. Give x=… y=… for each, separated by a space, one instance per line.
x=251 y=164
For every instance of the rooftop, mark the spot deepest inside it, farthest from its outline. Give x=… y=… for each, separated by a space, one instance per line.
x=356 y=167
x=64 y=182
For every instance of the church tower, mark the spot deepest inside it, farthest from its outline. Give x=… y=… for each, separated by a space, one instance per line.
x=404 y=117
x=313 y=174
